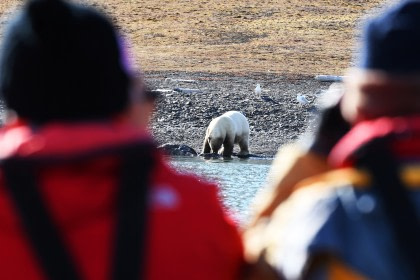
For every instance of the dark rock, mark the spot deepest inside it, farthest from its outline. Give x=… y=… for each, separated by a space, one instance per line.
x=178 y=150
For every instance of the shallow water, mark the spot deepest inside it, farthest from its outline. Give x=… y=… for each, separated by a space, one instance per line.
x=239 y=179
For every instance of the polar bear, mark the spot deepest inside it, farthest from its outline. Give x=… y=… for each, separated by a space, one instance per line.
x=228 y=129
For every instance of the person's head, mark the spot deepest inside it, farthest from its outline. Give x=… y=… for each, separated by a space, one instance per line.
x=63 y=62
x=386 y=80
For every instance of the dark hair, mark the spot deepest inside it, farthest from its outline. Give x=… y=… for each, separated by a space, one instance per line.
x=62 y=61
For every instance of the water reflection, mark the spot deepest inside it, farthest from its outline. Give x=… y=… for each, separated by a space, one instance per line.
x=239 y=179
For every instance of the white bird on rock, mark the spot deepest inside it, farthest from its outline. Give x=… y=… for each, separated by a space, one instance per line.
x=257 y=89
x=302 y=100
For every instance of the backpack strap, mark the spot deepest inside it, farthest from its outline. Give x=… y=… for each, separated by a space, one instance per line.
x=132 y=216
x=399 y=209
x=37 y=222
x=50 y=249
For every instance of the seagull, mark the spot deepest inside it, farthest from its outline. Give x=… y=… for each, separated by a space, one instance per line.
x=257 y=89
x=302 y=100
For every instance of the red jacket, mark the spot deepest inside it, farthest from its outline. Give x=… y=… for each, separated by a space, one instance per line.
x=188 y=234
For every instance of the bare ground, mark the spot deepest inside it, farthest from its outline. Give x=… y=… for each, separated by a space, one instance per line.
x=227 y=47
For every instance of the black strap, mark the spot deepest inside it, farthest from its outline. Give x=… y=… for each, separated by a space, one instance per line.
x=37 y=222
x=44 y=236
x=398 y=207
x=132 y=205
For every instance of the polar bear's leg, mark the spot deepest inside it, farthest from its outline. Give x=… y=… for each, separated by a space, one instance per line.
x=215 y=144
x=243 y=145
x=206 y=146
x=228 y=147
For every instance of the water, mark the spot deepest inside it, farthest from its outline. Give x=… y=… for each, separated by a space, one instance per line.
x=239 y=180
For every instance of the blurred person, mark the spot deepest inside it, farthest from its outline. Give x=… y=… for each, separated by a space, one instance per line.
x=84 y=193
x=304 y=158
x=360 y=218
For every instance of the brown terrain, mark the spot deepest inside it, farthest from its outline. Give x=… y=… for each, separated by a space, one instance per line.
x=229 y=46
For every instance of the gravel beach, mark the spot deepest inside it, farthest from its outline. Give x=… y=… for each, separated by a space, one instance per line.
x=275 y=116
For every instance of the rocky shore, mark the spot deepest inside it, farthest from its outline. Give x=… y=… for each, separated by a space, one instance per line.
x=275 y=116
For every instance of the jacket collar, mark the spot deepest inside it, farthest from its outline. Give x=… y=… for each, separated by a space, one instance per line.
x=22 y=139
x=404 y=132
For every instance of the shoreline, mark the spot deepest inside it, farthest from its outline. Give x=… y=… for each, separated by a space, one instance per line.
x=275 y=116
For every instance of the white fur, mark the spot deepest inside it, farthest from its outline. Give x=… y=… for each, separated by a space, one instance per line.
x=228 y=129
